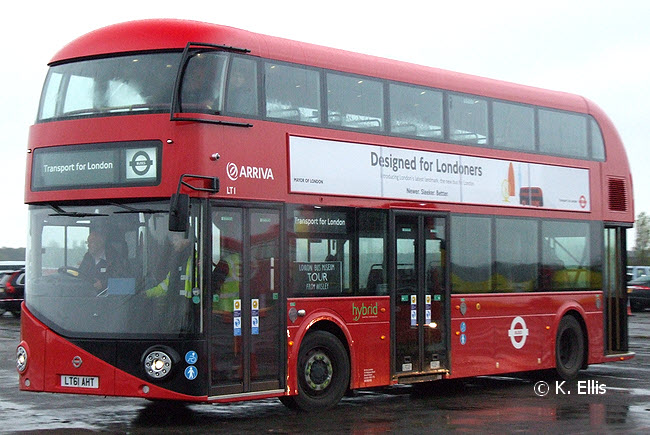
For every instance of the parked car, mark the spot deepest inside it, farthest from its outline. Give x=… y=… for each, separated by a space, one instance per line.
x=12 y=291
x=634 y=272
x=11 y=265
x=638 y=293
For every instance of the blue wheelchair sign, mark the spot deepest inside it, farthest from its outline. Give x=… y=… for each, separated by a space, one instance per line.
x=191 y=357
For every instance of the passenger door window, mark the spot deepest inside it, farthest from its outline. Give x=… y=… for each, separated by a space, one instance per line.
x=246 y=306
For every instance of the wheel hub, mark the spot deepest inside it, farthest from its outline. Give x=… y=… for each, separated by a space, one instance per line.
x=318 y=372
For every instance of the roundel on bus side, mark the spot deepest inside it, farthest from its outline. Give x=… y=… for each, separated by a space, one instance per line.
x=518 y=332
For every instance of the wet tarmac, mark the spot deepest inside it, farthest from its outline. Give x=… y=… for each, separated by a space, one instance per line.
x=605 y=398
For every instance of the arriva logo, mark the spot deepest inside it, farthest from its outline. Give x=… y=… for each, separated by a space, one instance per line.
x=363 y=311
x=235 y=172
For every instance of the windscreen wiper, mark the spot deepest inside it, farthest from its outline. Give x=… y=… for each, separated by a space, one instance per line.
x=129 y=209
x=60 y=212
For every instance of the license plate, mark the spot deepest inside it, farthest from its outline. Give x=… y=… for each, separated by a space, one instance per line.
x=80 y=381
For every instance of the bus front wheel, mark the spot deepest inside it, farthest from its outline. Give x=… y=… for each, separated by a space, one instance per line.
x=569 y=348
x=323 y=372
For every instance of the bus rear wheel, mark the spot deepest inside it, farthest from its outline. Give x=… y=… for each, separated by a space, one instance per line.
x=569 y=348
x=323 y=372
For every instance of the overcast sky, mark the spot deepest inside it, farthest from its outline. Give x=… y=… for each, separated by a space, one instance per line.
x=598 y=49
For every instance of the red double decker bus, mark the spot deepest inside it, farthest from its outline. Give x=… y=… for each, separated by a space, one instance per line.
x=217 y=215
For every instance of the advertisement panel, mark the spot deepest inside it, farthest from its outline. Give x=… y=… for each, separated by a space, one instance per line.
x=328 y=167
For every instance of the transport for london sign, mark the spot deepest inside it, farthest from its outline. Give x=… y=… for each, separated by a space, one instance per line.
x=97 y=165
x=328 y=167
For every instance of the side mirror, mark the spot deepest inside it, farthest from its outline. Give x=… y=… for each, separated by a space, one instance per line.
x=179 y=207
x=179 y=211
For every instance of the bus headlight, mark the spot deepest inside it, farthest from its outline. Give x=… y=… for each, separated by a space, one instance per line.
x=21 y=359
x=158 y=362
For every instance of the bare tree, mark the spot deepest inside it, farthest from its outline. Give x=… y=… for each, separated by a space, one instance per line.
x=642 y=243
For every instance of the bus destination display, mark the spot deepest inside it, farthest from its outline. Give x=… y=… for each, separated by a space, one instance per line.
x=97 y=165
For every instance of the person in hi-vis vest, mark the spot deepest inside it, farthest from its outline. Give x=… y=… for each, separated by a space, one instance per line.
x=226 y=279
x=180 y=273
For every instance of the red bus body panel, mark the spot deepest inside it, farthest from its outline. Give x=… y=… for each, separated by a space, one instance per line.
x=488 y=347
x=490 y=323
x=194 y=143
x=367 y=333
x=45 y=368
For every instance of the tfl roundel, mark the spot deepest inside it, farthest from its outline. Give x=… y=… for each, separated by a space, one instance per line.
x=518 y=332
x=141 y=163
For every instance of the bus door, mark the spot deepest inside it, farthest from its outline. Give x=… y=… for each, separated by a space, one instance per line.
x=245 y=322
x=420 y=294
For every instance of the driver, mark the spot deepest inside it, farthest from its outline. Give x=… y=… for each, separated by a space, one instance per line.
x=98 y=261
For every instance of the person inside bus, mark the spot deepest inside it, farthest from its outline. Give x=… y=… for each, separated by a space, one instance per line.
x=170 y=301
x=178 y=267
x=219 y=274
x=99 y=262
x=226 y=279
x=197 y=90
x=241 y=96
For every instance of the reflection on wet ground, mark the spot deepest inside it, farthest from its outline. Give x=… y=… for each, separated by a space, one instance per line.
x=605 y=398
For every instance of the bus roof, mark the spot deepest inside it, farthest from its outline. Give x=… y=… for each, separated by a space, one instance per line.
x=164 y=34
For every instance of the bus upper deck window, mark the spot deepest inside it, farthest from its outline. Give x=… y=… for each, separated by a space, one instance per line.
x=203 y=81
x=241 y=96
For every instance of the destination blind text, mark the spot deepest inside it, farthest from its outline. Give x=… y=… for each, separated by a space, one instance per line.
x=74 y=167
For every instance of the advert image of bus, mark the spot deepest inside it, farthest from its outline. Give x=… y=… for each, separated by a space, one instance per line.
x=531 y=196
x=217 y=215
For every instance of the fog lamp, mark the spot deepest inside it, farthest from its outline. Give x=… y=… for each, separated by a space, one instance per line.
x=21 y=359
